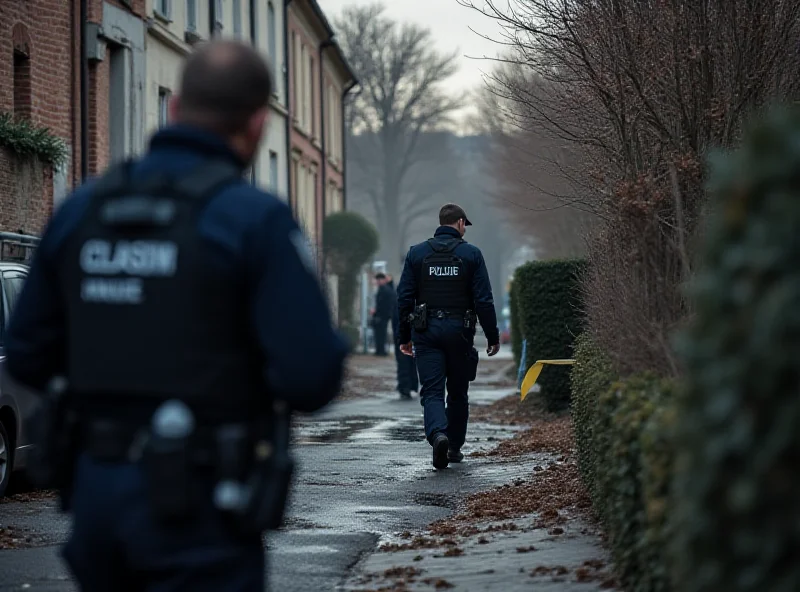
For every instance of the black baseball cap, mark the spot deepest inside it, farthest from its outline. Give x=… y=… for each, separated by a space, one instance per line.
x=452 y=213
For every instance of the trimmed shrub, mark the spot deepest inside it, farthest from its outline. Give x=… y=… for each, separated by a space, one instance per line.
x=516 y=333
x=737 y=488
x=623 y=433
x=349 y=240
x=629 y=441
x=592 y=376
x=549 y=318
x=352 y=335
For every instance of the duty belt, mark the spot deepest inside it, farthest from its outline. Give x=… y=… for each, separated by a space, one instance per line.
x=441 y=313
x=110 y=440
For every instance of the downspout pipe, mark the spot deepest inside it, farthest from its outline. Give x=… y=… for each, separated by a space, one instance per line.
x=84 y=94
x=290 y=113
x=327 y=43
x=253 y=24
x=345 y=92
x=254 y=43
x=212 y=19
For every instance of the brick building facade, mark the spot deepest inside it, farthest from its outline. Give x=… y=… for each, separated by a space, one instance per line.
x=38 y=67
x=40 y=81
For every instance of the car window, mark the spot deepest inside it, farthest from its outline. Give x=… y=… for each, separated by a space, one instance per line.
x=12 y=283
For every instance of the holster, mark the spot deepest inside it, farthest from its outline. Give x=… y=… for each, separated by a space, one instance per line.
x=170 y=478
x=472 y=363
x=269 y=477
x=56 y=427
x=419 y=318
x=470 y=319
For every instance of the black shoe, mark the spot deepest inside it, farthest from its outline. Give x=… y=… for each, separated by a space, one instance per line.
x=405 y=395
x=455 y=456
x=440 y=447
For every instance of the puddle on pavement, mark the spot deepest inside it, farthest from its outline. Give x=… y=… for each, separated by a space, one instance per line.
x=332 y=431
x=406 y=432
x=440 y=500
x=391 y=430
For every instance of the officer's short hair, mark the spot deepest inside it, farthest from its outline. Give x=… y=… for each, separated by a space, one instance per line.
x=380 y=276
x=452 y=213
x=224 y=83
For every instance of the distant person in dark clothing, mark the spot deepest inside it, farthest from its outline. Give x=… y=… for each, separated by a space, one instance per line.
x=385 y=303
x=407 y=379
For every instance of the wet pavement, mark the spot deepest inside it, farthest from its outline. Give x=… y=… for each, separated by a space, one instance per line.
x=364 y=475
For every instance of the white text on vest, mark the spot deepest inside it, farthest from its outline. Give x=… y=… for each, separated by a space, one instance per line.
x=443 y=271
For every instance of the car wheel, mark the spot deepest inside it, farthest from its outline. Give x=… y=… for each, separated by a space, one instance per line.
x=6 y=458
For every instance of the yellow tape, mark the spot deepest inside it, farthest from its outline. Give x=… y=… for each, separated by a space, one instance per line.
x=533 y=374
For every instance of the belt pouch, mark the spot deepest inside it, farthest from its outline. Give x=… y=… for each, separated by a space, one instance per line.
x=167 y=468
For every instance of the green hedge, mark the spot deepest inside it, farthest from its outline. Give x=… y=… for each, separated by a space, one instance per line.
x=623 y=432
x=516 y=334
x=592 y=375
x=737 y=515
x=549 y=318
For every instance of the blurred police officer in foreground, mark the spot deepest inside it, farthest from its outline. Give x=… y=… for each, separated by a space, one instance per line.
x=175 y=299
x=443 y=290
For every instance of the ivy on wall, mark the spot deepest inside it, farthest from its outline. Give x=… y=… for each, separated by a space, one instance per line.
x=26 y=139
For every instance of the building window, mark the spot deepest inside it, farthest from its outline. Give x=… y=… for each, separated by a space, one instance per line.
x=272 y=31
x=237 y=18
x=164 y=8
x=22 y=86
x=311 y=120
x=163 y=106
x=191 y=15
x=273 y=171
x=302 y=88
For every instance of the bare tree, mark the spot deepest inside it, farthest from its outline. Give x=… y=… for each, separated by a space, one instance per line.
x=402 y=97
x=534 y=187
x=642 y=90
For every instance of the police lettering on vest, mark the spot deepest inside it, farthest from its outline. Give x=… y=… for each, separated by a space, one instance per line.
x=444 y=283
x=443 y=271
x=138 y=258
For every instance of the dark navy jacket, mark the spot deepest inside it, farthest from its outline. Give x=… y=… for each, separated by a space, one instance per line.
x=385 y=302
x=407 y=291
x=256 y=236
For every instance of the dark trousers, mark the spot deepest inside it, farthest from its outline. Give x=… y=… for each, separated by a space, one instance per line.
x=406 y=372
x=441 y=355
x=380 y=328
x=117 y=545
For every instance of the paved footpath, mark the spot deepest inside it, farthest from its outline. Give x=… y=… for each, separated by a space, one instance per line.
x=365 y=478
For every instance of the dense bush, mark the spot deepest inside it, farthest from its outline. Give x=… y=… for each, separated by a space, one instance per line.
x=516 y=334
x=592 y=376
x=623 y=434
x=349 y=240
x=549 y=318
x=737 y=515
x=352 y=335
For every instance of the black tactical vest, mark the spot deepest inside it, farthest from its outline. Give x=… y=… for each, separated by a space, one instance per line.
x=443 y=278
x=153 y=310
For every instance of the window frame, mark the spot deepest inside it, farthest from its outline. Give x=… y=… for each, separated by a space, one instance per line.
x=191 y=16
x=163 y=9
x=164 y=95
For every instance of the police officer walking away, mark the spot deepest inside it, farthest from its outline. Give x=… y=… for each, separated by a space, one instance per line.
x=443 y=290
x=174 y=298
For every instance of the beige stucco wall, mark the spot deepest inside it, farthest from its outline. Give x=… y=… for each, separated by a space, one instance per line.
x=166 y=50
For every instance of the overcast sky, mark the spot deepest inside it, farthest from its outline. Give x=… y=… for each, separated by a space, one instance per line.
x=450 y=23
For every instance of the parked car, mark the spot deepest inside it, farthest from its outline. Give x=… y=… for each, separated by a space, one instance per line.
x=17 y=403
